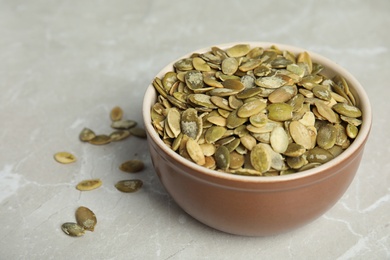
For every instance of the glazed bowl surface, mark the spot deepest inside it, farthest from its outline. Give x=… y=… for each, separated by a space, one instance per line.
x=258 y=205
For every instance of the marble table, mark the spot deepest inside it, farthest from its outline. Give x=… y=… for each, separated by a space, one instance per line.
x=65 y=64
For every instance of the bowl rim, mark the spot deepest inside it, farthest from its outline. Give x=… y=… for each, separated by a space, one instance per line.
x=359 y=141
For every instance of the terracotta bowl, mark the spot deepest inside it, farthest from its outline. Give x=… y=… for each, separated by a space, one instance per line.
x=258 y=206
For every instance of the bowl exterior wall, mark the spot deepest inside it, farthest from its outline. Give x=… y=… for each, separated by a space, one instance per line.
x=258 y=211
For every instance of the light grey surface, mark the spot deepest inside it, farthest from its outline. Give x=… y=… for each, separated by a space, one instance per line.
x=65 y=64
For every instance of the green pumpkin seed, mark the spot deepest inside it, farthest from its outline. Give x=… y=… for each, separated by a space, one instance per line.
x=195 y=152
x=260 y=158
x=352 y=131
x=238 y=50
x=64 y=157
x=279 y=111
x=86 y=218
x=214 y=133
x=129 y=186
x=86 y=134
x=123 y=124
x=100 y=139
x=132 y=166
x=72 y=229
x=319 y=155
x=119 y=135
x=279 y=139
x=222 y=157
x=326 y=137
x=347 y=110
x=88 y=185
x=251 y=108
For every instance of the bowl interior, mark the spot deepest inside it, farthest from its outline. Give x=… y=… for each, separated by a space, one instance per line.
x=330 y=69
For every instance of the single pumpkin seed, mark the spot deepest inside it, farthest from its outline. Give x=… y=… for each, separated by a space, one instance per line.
x=86 y=134
x=132 y=166
x=347 y=110
x=72 y=229
x=100 y=139
x=86 y=218
x=195 y=152
x=64 y=157
x=119 y=135
x=116 y=113
x=129 y=186
x=123 y=124
x=87 y=185
x=222 y=158
x=260 y=158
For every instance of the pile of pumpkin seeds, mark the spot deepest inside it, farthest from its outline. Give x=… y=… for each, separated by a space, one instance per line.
x=86 y=219
x=254 y=111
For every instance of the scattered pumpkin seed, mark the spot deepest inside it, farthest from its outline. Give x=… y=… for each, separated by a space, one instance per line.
x=132 y=166
x=129 y=186
x=116 y=114
x=88 y=185
x=86 y=218
x=100 y=139
x=64 y=157
x=72 y=229
x=86 y=134
x=123 y=124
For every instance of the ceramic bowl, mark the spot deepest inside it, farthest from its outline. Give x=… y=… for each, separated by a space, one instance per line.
x=258 y=206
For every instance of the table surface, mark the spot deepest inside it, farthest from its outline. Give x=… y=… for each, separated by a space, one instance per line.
x=64 y=65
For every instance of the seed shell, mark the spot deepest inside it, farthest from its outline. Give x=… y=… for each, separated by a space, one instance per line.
x=86 y=134
x=86 y=218
x=116 y=113
x=88 y=185
x=132 y=166
x=64 y=157
x=129 y=186
x=100 y=140
x=72 y=229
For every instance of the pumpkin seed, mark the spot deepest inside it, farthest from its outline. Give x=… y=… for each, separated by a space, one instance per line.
x=72 y=229
x=300 y=134
x=229 y=66
x=116 y=113
x=88 y=185
x=119 y=135
x=86 y=218
x=86 y=134
x=138 y=131
x=123 y=124
x=222 y=157
x=100 y=139
x=347 y=110
x=195 y=152
x=238 y=50
x=251 y=108
x=191 y=124
x=279 y=139
x=129 y=186
x=260 y=158
x=64 y=157
x=194 y=79
x=132 y=166
x=319 y=155
x=352 y=131
x=326 y=137
x=279 y=111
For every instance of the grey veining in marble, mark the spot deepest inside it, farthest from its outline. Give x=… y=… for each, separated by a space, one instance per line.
x=65 y=64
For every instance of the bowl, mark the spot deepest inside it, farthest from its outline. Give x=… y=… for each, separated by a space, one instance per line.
x=258 y=205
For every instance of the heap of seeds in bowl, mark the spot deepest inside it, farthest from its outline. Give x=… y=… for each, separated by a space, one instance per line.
x=254 y=111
